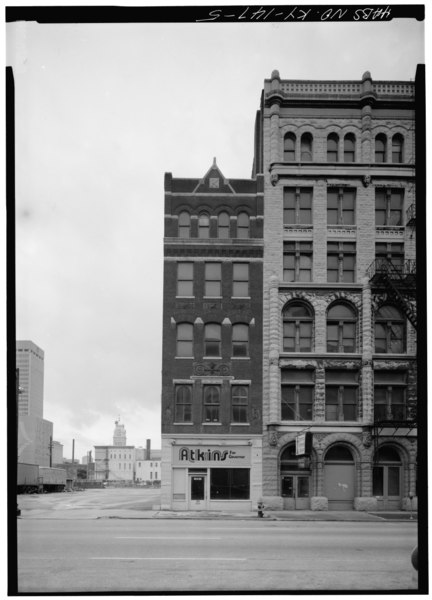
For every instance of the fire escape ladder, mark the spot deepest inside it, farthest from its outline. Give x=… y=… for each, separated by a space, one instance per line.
x=398 y=282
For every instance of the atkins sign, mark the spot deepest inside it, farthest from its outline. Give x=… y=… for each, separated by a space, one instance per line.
x=226 y=455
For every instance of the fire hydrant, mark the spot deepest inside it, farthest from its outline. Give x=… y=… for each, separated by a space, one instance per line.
x=260 y=507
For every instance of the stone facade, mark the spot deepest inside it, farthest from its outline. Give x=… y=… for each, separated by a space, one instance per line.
x=294 y=125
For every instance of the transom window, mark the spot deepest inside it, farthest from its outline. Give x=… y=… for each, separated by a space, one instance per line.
x=289 y=147
x=240 y=340
x=341 y=328
x=243 y=225
x=297 y=206
x=183 y=403
x=239 y=403
x=341 y=395
x=388 y=207
x=185 y=275
x=211 y=403
x=184 y=225
x=212 y=340
x=380 y=148
x=390 y=396
x=341 y=206
x=349 y=148
x=240 y=280
x=297 y=261
x=297 y=328
x=389 y=330
x=341 y=258
x=213 y=279
x=204 y=225
x=297 y=394
x=332 y=148
x=223 y=226
x=184 y=340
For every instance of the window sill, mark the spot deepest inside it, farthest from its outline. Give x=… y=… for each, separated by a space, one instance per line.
x=215 y=424
x=185 y=297
x=184 y=357
x=186 y=423
x=212 y=297
x=240 y=357
x=240 y=298
x=212 y=357
x=239 y=424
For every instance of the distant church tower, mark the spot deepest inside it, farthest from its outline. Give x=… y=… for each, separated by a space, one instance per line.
x=119 y=438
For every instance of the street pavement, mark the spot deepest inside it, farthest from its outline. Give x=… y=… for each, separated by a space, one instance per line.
x=115 y=540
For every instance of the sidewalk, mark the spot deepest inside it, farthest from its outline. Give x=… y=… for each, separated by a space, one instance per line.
x=298 y=515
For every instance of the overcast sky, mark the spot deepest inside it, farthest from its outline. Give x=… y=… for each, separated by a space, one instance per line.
x=102 y=112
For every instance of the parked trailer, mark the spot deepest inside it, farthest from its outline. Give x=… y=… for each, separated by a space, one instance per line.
x=27 y=479
x=33 y=479
x=52 y=480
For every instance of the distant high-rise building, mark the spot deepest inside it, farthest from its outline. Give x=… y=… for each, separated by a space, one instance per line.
x=119 y=438
x=30 y=362
x=34 y=432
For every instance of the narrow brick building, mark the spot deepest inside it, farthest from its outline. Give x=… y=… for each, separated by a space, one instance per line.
x=339 y=313
x=212 y=343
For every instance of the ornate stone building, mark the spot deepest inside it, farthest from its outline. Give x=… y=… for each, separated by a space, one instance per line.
x=339 y=313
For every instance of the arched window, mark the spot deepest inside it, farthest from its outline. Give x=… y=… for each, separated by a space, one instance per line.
x=297 y=328
x=240 y=340
x=289 y=147
x=243 y=225
x=349 y=147
x=211 y=403
x=184 y=339
x=332 y=148
x=212 y=340
x=339 y=454
x=397 y=148
x=306 y=147
x=183 y=403
x=380 y=148
x=223 y=226
x=184 y=225
x=341 y=328
x=389 y=330
x=203 y=225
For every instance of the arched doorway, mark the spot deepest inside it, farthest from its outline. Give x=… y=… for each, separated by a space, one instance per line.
x=339 y=478
x=295 y=480
x=387 y=469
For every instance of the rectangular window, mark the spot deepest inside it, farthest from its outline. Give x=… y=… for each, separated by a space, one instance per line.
x=394 y=252
x=390 y=396
x=229 y=484
x=341 y=206
x=240 y=280
x=341 y=395
x=297 y=208
x=388 y=207
x=297 y=394
x=240 y=340
x=341 y=260
x=239 y=403
x=184 y=340
x=213 y=280
x=185 y=279
x=297 y=261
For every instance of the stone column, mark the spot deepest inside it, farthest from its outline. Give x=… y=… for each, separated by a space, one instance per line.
x=274 y=337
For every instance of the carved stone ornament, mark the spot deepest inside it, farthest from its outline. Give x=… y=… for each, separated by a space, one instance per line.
x=274 y=178
x=273 y=438
x=210 y=369
x=367 y=439
x=367 y=180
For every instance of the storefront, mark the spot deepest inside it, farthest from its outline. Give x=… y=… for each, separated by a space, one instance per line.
x=213 y=476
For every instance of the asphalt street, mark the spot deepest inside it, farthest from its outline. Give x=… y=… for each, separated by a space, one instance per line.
x=167 y=555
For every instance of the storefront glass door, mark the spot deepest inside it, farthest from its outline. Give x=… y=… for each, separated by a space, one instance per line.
x=295 y=492
x=197 y=492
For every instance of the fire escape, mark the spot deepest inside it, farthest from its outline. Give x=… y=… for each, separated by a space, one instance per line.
x=398 y=281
